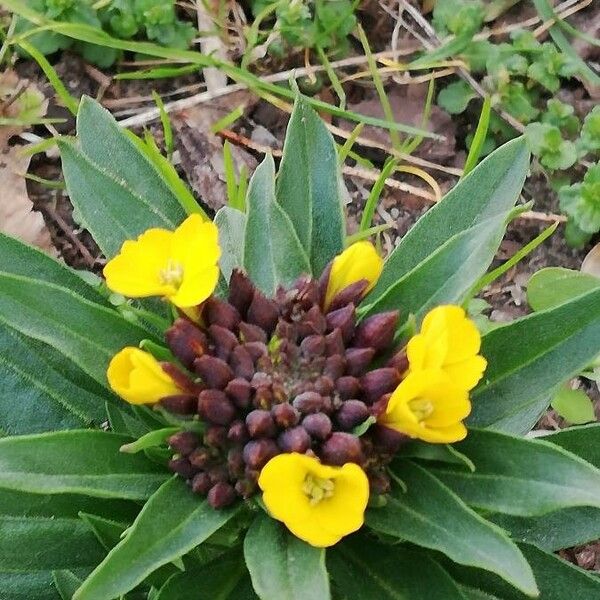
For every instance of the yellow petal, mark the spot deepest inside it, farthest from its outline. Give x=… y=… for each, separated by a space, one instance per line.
x=197 y=286
x=468 y=372
x=196 y=243
x=138 y=378
x=359 y=261
x=443 y=435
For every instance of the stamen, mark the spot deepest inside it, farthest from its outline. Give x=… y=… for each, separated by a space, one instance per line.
x=317 y=488
x=421 y=408
x=172 y=274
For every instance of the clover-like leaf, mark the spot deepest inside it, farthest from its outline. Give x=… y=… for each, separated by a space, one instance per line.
x=456 y=97
x=546 y=142
x=581 y=201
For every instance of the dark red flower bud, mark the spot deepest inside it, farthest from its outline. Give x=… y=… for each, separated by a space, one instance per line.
x=334 y=366
x=342 y=448
x=183 y=442
x=182 y=379
x=218 y=473
x=215 y=373
x=295 y=439
x=201 y=458
x=313 y=345
x=216 y=436
x=351 y=414
x=377 y=331
x=343 y=319
x=308 y=402
x=258 y=453
x=324 y=282
x=186 y=341
x=379 y=483
x=351 y=294
x=182 y=467
x=358 y=359
x=245 y=487
x=318 y=425
x=260 y=424
x=252 y=333
x=324 y=385
x=215 y=407
x=224 y=340
x=263 y=313
x=387 y=440
x=285 y=415
x=263 y=398
x=235 y=462
x=201 y=484
x=241 y=362
x=313 y=322
x=256 y=350
x=238 y=433
x=180 y=404
x=279 y=393
x=286 y=331
x=379 y=382
x=334 y=343
x=217 y=312
x=347 y=387
x=239 y=391
x=241 y=291
x=399 y=361
x=221 y=495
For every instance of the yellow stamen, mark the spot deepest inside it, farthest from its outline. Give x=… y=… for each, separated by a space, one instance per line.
x=172 y=274
x=421 y=408
x=317 y=488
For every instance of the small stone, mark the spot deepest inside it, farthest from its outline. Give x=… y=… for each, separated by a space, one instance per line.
x=308 y=402
x=318 y=426
x=215 y=407
x=221 y=495
x=295 y=439
x=285 y=415
x=342 y=448
x=260 y=424
x=183 y=442
x=215 y=373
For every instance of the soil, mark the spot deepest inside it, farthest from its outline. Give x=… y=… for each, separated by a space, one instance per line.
x=264 y=125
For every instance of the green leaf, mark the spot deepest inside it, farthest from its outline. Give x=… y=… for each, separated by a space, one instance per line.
x=447 y=275
x=225 y=578
x=231 y=223
x=487 y=192
x=553 y=531
x=116 y=189
x=575 y=406
x=557 y=579
x=463 y=535
x=582 y=441
x=272 y=252
x=32 y=386
x=455 y=97
x=521 y=477
x=362 y=568
x=529 y=358
x=85 y=332
x=171 y=523
x=106 y=531
x=35 y=585
x=435 y=452
x=77 y=462
x=309 y=188
x=151 y=439
x=581 y=201
x=66 y=582
x=283 y=567
x=552 y=286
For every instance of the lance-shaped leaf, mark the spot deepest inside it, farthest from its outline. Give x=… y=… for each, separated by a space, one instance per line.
x=362 y=568
x=529 y=358
x=558 y=580
x=231 y=223
x=488 y=191
x=447 y=274
x=583 y=441
x=309 y=186
x=172 y=522
x=429 y=514
x=84 y=331
x=114 y=187
x=77 y=462
x=283 y=567
x=523 y=477
x=273 y=254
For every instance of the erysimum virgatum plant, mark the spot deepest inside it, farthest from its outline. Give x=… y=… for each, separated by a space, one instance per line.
x=249 y=408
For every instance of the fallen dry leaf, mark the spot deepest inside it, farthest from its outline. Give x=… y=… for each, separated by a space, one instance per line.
x=591 y=263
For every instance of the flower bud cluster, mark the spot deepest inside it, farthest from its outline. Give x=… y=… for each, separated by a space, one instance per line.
x=282 y=375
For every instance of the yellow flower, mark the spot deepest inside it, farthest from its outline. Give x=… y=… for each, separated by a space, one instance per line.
x=360 y=261
x=318 y=503
x=427 y=405
x=138 y=378
x=448 y=340
x=180 y=265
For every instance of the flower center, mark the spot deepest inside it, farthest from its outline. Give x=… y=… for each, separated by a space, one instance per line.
x=421 y=408
x=172 y=274
x=317 y=488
